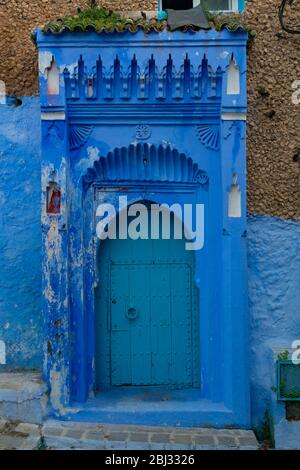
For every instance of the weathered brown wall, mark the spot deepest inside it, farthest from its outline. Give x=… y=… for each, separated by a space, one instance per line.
x=274 y=63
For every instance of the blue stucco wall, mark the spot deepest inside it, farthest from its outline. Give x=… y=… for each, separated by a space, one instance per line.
x=274 y=300
x=20 y=229
x=273 y=259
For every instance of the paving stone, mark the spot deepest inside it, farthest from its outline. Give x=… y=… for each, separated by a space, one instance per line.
x=53 y=432
x=76 y=433
x=157 y=446
x=116 y=445
x=182 y=439
x=248 y=441
x=160 y=437
x=227 y=441
x=116 y=436
x=244 y=433
x=94 y=435
x=3 y=424
x=137 y=445
x=249 y=447
x=10 y=442
x=204 y=441
x=30 y=443
x=67 y=443
x=225 y=432
x=139 y=436
x=28 y=428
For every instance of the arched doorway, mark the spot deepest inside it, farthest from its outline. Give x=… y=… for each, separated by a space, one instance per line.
x=146 y=310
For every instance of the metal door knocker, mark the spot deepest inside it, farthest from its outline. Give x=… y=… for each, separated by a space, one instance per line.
x=132 y=313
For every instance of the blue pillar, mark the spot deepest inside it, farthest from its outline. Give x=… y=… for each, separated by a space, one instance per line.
x=54 y=169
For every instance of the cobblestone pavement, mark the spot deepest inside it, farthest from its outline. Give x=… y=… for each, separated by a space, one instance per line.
x=19 y=436
x=86 y=436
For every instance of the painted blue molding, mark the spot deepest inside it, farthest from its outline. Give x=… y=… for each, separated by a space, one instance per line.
x=209 y=136
x=160 y=163
x=78 y=135
x=152 y=80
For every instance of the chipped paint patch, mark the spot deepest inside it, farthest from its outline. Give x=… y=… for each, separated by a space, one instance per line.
x=224 y=54
x=45 y=58
x=93 y=154
x=2 y=352
x=58 y=389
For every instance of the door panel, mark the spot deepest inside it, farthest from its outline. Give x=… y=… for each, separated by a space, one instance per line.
x=151 y=335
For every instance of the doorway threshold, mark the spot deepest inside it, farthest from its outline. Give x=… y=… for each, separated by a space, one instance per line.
x=152 y=407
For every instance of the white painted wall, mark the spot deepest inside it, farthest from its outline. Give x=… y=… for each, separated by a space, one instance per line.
x=233 y=79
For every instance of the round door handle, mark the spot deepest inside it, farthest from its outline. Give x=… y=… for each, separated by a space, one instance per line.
x=132 y=313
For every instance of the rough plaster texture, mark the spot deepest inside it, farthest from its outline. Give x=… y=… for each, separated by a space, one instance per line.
x=274 y=299
x=274 y=63
x=23 y=397
x=20 y=239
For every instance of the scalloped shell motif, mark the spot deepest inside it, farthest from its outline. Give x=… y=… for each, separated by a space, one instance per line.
x=144 y=162
x=78 y=135
x=209 y=136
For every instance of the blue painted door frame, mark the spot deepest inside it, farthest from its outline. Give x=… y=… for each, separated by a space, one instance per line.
x=146 y=311
x=168 y=97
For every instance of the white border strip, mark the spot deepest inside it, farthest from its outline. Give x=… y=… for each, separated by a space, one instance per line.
x=233 y=5
x=234 y=117
x=54 y=116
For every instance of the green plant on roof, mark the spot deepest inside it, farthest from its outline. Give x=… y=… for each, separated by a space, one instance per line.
x=98 y=18
x=231 y=21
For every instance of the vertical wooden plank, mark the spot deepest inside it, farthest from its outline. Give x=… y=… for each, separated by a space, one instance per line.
x=182 y=365
x=121 y=358
x=160 y=324
x=140 y=327
x=120 y=330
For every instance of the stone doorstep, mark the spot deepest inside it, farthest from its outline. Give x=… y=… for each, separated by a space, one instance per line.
x=58 y=434
x=93 y=436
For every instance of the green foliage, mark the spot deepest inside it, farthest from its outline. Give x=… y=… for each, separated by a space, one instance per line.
x=290 y=394
x=265 y=432
x=231 y=21
x=97 y=18
x=283 y=356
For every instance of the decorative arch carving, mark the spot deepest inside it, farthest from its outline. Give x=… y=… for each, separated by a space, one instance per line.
x=146 y=162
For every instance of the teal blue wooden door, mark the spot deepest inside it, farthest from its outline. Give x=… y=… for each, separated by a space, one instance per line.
x=147 y=329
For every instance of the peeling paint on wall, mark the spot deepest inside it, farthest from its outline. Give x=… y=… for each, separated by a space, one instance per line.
x=2 y=353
